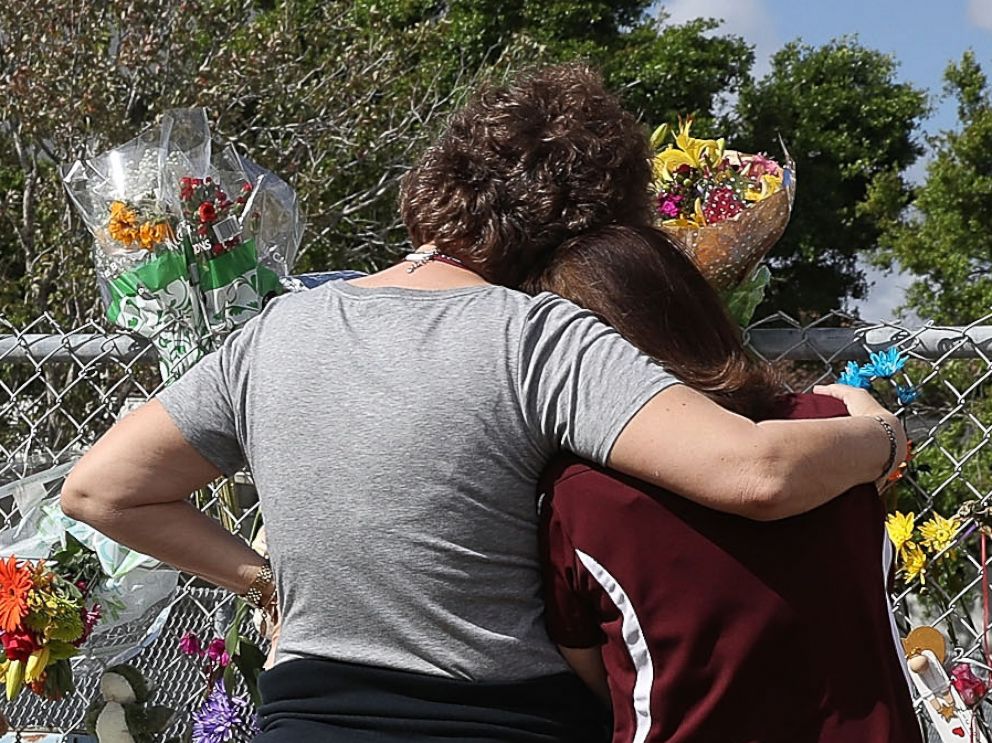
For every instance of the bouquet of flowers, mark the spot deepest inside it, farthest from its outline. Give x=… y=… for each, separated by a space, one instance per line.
x=725 y=208
x=191 y=238
x=47 y=612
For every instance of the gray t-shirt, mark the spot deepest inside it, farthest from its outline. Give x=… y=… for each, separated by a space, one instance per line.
x=396 y=437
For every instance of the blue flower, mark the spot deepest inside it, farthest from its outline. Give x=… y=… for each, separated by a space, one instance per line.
x=220 y=717
x=885 y=363
x=854 y=376
x=907 y=394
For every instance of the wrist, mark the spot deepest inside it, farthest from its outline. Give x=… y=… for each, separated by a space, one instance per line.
x=261 y=587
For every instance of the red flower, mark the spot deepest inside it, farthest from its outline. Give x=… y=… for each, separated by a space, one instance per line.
x=721 y=204
x=246 y=188
x=19 y=644
x=207 y=211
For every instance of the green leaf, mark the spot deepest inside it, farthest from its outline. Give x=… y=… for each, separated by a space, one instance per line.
x=744 y=300
x=250 y=661
x=230 y=678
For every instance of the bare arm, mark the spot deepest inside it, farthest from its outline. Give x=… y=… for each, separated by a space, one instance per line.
x=686 y=443
x=133 y=485
x=588 y=666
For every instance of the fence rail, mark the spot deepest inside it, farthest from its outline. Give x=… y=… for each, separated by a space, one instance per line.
x=61 y=388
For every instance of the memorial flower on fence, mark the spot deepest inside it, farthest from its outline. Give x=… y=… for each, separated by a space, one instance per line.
x=47 y=612
x=916 y=545
x=190 y=237
x=725 y=208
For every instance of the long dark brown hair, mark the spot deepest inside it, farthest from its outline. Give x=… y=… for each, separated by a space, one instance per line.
x=645 y=286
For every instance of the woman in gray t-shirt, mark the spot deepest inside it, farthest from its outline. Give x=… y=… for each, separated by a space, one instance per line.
x=396 y=424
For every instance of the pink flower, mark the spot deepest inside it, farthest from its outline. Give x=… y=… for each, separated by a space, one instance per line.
x=668 y=205
x=969 y=686
x=215 y=650
x=759 y=165
x=225 y=659
x=90 y=618
x=190 y=644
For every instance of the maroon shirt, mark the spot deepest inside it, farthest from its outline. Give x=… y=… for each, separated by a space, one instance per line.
x=716 y=629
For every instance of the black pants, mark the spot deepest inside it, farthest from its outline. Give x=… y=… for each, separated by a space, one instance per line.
x=314 y=701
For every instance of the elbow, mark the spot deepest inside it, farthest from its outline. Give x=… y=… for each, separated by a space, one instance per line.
x=770 y=494
x=76 y=500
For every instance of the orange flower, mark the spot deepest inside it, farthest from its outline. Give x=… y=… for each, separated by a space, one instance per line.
x=162 y=232
x=146 y=234
x=122 y=225
x=15 y=583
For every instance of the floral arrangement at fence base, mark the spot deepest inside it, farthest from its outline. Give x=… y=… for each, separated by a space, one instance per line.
x=224 y=663
x=121 y=713
x=726 y=208
x=191 y=238
x=47 y=612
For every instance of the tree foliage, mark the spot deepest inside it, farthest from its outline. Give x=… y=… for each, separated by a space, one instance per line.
x=945 y=240
x=850 y=125
x=338 y=97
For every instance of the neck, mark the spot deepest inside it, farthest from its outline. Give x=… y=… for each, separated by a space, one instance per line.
x=429 y=276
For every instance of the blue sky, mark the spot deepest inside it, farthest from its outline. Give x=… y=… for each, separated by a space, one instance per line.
x=923 y=37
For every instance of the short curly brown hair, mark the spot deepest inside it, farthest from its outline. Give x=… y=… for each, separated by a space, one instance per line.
x=523 y=167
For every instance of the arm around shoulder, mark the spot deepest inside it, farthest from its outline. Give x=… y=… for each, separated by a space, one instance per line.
x=682 y=441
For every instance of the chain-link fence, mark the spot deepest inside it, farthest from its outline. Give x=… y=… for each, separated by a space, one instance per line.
x=61 y=388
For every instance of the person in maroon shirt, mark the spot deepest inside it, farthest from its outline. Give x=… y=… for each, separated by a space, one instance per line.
x=699 y=626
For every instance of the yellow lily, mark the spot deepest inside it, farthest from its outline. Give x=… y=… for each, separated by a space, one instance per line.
x=698 y=212
x=15 y=678
x=667 y=161
x=769 y=185
x=688 y=150
x=660 y=135
x=37 y=662
x=698 y=148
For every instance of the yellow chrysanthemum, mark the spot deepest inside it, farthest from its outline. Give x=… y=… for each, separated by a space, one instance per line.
x=900 y=528
x=938 y=532
x=914 y=562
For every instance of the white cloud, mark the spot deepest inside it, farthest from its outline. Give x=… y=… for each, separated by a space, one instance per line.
x=749 y=19
x=980 y=13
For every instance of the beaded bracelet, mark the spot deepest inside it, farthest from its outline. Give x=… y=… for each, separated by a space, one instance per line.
x=893 y=444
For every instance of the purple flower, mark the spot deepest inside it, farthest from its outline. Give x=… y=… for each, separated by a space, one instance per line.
x=190 y=644
x=220 y=717
x=215 y=650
